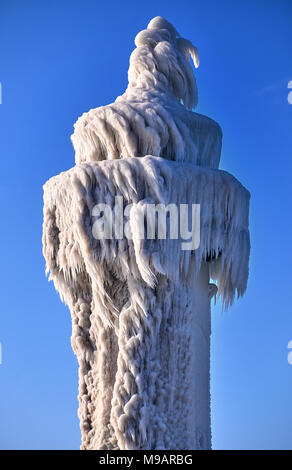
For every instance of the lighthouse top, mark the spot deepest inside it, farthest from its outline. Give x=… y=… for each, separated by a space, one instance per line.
x=155 y=114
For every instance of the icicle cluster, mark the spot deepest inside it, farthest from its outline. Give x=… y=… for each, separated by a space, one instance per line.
x=135 y=302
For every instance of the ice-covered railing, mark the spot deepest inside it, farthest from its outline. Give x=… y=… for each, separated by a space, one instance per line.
x=141 y=307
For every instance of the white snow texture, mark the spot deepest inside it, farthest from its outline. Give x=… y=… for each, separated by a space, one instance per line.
x=141 y=308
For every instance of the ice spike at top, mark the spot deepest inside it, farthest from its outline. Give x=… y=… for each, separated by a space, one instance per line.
x=153 y=116
x=169 y=66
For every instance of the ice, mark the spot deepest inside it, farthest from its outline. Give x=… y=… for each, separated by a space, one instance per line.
x=141 y=308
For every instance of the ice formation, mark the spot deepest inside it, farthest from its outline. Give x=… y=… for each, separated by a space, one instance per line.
x=141 y=308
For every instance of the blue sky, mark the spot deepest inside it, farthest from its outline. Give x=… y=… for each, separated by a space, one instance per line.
x=61 y=58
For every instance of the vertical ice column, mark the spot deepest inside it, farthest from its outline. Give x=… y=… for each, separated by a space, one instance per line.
x=200 y=413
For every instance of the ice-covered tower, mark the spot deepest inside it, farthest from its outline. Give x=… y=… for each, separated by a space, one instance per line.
x=141 y=306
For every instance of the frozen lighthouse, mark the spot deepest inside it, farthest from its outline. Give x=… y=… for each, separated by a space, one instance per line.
x=139 y=287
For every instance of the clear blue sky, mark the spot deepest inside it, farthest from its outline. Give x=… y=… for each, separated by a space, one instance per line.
x=61 y=58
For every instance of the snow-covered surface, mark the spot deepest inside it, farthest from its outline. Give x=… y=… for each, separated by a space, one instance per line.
x=141 y=308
